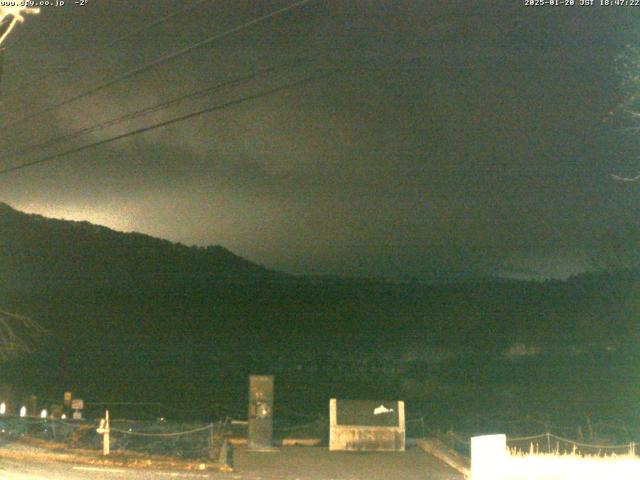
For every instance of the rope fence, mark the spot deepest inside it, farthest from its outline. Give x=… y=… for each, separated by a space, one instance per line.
x=547 y=442
x=183 y=440
x=157 y=435
x=170 y=434
x=164 y=438
x=551 y=443
x=586 y=432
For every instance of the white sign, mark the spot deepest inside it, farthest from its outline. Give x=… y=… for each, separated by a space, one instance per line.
x=382 y=409
x=77 y=404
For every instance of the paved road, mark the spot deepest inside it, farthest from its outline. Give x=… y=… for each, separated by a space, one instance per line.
x=286 y=464
x=22 y=470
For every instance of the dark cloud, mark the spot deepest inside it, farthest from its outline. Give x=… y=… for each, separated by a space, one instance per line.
x=457 y=137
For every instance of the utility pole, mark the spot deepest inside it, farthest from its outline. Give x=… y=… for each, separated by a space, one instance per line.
x=11 y=16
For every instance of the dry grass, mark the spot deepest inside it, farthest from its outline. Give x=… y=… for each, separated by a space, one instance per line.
x=556 y=466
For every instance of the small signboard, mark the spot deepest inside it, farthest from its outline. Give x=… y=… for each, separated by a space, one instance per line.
x=67 y=399
x=366 y=425
x=77 y=404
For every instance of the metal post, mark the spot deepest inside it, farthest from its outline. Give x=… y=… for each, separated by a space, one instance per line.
x=105 y=441
x=103 y=430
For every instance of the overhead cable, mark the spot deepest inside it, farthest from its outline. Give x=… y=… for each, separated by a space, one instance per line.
x=96 y=127
x=159 y=61
x=213 y=108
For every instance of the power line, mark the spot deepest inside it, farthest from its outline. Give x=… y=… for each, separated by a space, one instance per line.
x=159 y=61
x=30 y=147
x=27 y=148
x=172 y=121
x=92 y=52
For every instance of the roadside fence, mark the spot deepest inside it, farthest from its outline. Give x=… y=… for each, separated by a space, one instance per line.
x=174 y=439
x=551 y=443
x=182 y=440
x=530 y=434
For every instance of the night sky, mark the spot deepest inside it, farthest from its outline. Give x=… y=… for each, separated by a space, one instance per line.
x=457 y=138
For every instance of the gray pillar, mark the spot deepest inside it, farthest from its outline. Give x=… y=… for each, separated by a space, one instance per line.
x=260 y=412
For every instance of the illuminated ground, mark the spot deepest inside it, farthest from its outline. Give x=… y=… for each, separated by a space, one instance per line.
x=287 y=464
x=318 y=463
